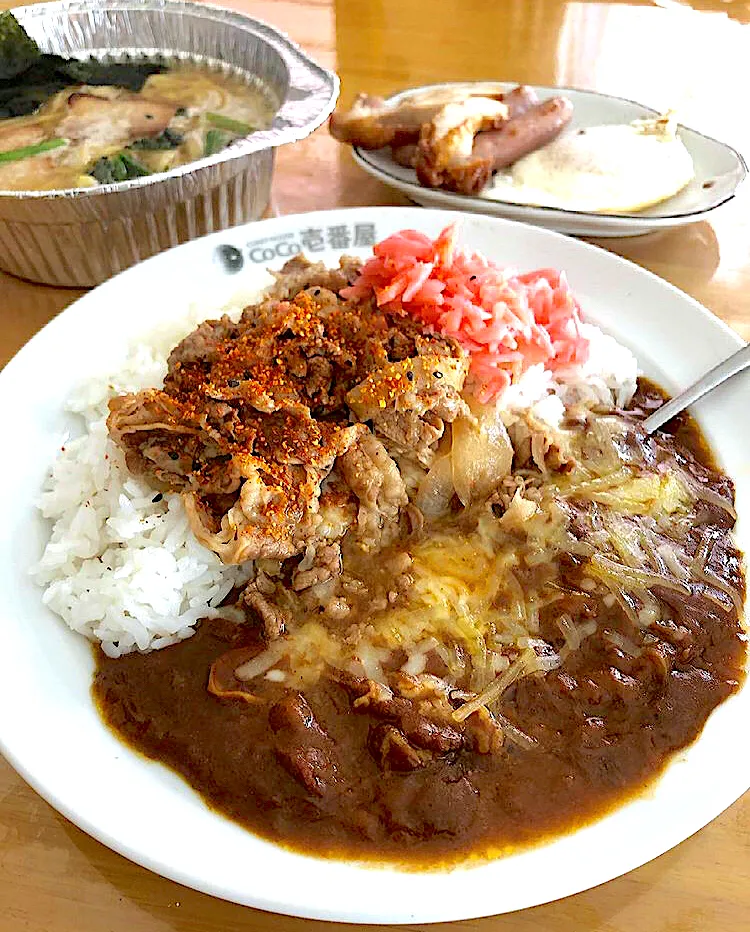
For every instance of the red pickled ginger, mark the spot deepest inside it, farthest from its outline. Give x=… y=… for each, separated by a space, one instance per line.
x=507 y=321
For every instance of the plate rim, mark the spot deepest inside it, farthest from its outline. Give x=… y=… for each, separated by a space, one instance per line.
x=138 y=856
x=558 y=213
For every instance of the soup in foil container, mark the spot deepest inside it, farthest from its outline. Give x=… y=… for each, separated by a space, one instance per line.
x=80 y=236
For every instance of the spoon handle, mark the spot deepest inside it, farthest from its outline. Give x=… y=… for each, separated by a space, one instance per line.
x=725 y=370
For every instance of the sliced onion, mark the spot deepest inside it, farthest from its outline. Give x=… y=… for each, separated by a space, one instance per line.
x=625 y=644
x=700 y=559
x=669 y=557
x=729 y=591
x=547 y=662
x=602 y=483
x=640 y=579
x=481 y=455
x=569 y=631
x=307 y=561
x=514 y=733
x=436 y=489
x=712 y=497
x=523 y=664
x=622 y=600
x=263 y=662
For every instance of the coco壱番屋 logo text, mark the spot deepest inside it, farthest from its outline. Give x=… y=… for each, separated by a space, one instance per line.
x=308 y=240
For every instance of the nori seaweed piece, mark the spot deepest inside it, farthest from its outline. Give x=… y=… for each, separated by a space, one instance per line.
x=17 y=49
x=25 y=92
x=130 y=74
x=15 y=102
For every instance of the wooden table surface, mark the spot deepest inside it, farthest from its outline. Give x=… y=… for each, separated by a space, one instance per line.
x=695 y=57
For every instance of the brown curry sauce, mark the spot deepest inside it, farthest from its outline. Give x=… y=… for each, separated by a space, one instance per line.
x=605 y=724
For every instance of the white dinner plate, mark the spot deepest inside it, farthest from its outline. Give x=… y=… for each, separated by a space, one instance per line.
x=719 y=170
x=49 y=729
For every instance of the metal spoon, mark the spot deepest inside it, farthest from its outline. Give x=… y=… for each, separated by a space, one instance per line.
x=737 y=362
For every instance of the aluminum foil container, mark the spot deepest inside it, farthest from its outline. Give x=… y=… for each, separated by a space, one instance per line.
x=83 y=236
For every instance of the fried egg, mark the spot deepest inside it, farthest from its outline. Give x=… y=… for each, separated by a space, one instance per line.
x=618 y=168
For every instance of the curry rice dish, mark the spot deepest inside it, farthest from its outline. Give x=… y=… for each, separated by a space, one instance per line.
x=451 y=626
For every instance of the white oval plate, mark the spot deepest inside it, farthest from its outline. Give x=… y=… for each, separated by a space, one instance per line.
x=49 y=729
x=716 y=165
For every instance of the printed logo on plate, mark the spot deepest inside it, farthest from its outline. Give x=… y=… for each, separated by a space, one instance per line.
x=285 y=245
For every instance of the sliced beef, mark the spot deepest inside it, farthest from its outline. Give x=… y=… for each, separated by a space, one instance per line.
x=409 y=402
x=293 y=714
x=253 y=417
x=322 y=563
x=302 y=747
x=271 y=617
x=299 y=274
x=416 y=732
x=445 y=805
x=198 y=350
x=376 y=481
x=391 y=749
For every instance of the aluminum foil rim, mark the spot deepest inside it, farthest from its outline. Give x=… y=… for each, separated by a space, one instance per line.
x=318 y=81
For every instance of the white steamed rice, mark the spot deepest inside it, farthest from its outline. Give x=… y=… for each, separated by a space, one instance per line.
x=125 y=570
x=608 y=377
x=119 y=567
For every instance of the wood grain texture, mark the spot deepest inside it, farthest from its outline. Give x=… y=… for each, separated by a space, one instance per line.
x=53 y=878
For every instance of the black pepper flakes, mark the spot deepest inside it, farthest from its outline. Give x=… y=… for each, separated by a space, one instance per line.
x=410 y=376
x=174 y=456
x=233 y=383
x=317 y=292
x=438 y=374
x=472 y=278
x=157 y=498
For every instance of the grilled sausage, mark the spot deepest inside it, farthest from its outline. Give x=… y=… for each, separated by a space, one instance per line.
x=524 y=133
